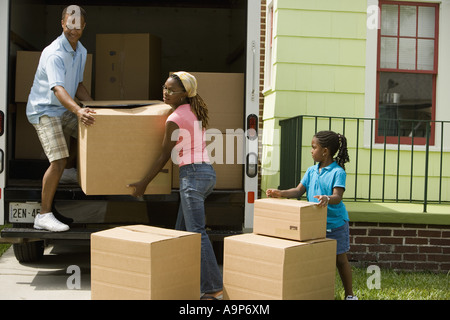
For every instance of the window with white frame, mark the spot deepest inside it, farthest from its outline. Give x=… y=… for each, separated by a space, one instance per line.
x=406 y=71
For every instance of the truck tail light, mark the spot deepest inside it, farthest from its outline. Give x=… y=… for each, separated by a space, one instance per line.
x=252 y=126
x=251 y=197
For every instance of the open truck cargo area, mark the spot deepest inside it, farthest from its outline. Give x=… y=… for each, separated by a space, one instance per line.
x=132 y=47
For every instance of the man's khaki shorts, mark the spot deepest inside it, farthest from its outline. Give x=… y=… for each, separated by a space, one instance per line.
x=51 y=132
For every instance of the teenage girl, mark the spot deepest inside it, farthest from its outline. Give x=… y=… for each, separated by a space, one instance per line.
x=324 y=183
x=185 y=135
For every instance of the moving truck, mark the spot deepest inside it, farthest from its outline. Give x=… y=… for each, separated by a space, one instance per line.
x=218 y=40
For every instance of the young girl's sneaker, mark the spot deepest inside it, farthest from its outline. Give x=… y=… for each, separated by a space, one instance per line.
x=351 y=298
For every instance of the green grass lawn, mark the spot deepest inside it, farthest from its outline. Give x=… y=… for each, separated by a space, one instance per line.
x=397 y=285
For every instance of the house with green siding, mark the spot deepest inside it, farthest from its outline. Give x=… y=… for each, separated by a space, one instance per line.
x=377 y=72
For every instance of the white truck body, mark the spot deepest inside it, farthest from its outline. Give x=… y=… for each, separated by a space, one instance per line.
x=13 y=209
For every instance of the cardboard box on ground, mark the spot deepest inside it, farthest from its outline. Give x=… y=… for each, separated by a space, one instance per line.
x=258 y=267
x=141 y=262
x=268 y=264
x=155 y=263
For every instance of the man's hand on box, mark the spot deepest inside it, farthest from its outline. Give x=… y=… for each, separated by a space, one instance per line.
x=85 y=116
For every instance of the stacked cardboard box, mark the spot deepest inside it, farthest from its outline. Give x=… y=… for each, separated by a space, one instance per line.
x=286 y=257
x=141 y=262
x=289 y=219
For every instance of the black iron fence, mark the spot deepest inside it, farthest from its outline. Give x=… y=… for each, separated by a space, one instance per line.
x=388 y=163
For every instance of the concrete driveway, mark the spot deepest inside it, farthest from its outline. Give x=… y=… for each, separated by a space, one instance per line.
x=62 y=274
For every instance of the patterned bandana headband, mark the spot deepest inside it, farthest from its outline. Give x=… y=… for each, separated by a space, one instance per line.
x=189 y=83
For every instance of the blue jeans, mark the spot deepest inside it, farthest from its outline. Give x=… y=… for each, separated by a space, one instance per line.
x=196 y=183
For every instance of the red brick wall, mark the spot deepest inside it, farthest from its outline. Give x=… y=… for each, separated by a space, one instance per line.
x=400 y=246
x=261 y=86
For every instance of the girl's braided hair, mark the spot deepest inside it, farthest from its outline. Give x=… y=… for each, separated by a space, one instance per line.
x=335 y=142
x=198 y=105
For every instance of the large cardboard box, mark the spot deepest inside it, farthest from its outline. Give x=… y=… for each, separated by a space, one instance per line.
x=226 y=153
x=142 y=262
x=121 y=146
x=128 y=66
x=290 y=219
x=259 y=267
x=26 y=66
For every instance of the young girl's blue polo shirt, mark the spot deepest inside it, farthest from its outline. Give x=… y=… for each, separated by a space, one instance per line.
x=59 y=65
x=323 y=183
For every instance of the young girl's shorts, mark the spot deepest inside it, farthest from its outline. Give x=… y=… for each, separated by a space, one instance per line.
x=341 y=235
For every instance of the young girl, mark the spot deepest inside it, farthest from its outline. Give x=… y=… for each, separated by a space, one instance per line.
x=325 y=183
x=185 y=135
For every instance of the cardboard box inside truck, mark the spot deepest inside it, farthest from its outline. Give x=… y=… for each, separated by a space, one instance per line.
x=27 y=144
x=225 y=152
x=223 y=93
x=128 y=66
x=260 y=267
x=290 y=219
x=121 y=146
x=26 y=66
x=142 y=262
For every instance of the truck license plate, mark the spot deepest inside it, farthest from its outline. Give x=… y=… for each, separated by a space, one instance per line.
x=23 y=211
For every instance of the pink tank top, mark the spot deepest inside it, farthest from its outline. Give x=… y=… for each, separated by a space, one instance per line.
x=191 y=144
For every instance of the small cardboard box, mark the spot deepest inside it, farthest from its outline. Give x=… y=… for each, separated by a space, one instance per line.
x=142 y=262
x=26 y=66
x=290 y=219
x=121 y=146
x=259 y=267
x=128 y=66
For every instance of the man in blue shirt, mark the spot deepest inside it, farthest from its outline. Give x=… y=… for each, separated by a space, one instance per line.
x=52 y=110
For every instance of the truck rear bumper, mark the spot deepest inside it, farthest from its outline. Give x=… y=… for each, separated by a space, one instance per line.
x=20 y=235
